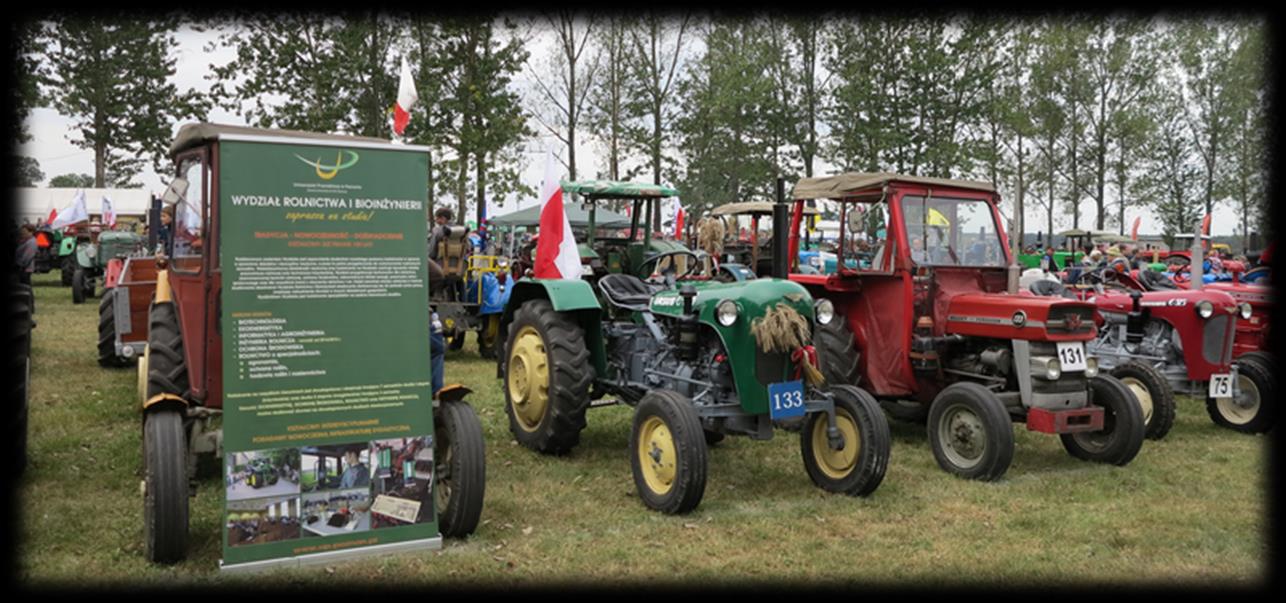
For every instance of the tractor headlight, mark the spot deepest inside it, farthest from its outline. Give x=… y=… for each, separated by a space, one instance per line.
x=1245 y=310
x=1046 y=367
x=1091 y=367
x=1205 y=309
x=825 y=311
x=726 y=312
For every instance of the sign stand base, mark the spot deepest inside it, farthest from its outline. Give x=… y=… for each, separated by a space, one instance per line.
x=427 y=544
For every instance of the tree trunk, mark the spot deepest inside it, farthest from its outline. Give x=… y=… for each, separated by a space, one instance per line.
x=480 y=169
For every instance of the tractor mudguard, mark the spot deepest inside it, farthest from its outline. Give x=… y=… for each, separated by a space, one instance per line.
x=575 y=297
x=67 y=246
x=493 y=301
x=85 y=256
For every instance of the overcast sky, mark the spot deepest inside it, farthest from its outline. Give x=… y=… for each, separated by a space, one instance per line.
x=52 y=134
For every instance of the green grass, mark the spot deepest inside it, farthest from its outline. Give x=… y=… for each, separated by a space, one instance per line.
x=1191 y=509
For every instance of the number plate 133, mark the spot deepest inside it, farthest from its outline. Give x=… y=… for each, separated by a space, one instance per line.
x=786 y=400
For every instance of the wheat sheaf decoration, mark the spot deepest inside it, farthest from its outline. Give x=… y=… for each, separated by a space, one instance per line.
x=781 y=329
x=710 y=232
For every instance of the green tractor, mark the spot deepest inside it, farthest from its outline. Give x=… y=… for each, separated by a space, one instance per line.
x=262 y=473
x=92 y=257
x=699 y=352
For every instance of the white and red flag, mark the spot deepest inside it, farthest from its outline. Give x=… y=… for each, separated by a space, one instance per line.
x=1205 y=225
x=556 y=253
x=406 y=98
x=73 y=213
x=109 y=214
x=53 y=215
x=1134 y=232
x=679 y=215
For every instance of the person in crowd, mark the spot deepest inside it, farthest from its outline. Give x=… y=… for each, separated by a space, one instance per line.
x=165 y=234
x=442 y=219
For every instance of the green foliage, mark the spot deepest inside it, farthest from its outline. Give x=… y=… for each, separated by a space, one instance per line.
x=26 y=71
x=28 y=172
x=72 y=181
x=112 y=76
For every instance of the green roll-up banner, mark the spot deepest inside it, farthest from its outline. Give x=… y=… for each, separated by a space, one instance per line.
x=325 y=331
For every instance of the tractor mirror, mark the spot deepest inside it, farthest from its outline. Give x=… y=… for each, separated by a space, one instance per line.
x=176 y=191
x=855 y=217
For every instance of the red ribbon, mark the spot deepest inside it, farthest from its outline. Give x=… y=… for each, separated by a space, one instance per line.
x=808 y=353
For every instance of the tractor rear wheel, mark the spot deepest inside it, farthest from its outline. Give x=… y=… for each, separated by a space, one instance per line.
x=165 y=507
x=66 y=269
x=78 y=279
x=858 y=467
x=167 y=371
x=668 y=453
x=970 y=432
x=107 y=356
x=837 y=352
x=547 y=373
x=1122 y=434
x=20 y=367
x=1154 y=393
x=460 y=469
x=1251 y=411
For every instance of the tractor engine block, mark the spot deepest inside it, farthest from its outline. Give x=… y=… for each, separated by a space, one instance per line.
x=667 y=354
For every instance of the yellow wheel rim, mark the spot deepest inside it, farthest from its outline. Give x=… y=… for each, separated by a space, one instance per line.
x=528 y=377
x=836 y=464
x=1244 y=407
x=657 y=456
x=142 y=375
x=1142 y=395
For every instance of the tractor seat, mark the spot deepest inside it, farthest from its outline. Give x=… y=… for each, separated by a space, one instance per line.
x=627 y=291
x=1155 y=281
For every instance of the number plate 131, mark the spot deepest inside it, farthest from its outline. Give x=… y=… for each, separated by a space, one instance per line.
x=786 y=400
x=1071 y=356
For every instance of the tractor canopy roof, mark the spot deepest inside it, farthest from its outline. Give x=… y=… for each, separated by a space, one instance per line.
x=614 y=189
x=847 y=184
x=195 y=134
x=576 y=215
x=752 y=208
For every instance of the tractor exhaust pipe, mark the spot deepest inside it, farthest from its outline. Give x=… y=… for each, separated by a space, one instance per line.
x=780 y=236
x=1195 y=266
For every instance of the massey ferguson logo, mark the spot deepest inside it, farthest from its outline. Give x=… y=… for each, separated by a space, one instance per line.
x=1073 y=322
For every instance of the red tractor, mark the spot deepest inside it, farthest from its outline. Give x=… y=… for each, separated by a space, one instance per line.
x=1160 y=339
x=933 y=325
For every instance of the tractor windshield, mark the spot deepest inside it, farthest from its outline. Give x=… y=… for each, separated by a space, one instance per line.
x=945 y=231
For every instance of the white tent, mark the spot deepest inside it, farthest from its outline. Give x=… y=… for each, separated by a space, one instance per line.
x=34 y=203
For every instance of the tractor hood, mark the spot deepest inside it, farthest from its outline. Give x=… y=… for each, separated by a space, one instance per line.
x=753 y=298
x=1120 y=301
x=1004 y=316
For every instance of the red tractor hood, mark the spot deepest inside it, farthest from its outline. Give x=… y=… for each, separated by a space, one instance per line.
x=1120 y=301
x=1005 y=316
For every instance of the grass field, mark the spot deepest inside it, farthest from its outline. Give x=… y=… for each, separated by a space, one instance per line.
x=1191 y=509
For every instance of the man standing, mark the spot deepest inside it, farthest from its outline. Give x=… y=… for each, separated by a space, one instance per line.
x=441 y=220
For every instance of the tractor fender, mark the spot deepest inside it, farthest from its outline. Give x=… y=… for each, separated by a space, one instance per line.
x=572 y=296
x=66 y=246
x=115 y=267
x=85 y=253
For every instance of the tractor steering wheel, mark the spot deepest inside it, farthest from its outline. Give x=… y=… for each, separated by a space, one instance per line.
x=652 y=266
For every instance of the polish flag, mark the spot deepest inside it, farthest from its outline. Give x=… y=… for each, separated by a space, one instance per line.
x=1205 y=225
x=406 y=98
x=1134 y=232
x=53 y=215
x=556 y=253
x=109 y=214
x=73 y=213
x=679 y=214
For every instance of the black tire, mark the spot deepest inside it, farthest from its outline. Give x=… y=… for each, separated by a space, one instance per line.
x=460 y=469
x=1122 y=434
x=907 y=410
x=1263 y=357
x=857 y=411
x=1257 y=384
x=1157 y=402
x=569 y=374
x=671 y=418
x=20 y=369
x=166 y=369
x=713 y=437
x=67 y=268
x=165 y=506
x=970 y=432
x=837 y=352
x=455 y=342
x=78 y=286
x=107 y=356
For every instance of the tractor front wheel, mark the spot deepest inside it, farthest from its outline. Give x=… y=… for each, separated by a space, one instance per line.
x=78 y=280
x=857 y=467
x=1154 y=393
x=547 y=373
x=1122 y=434
x=107 y=356
x=165 y=507
x=459 y=468
x=668 y=453
x=970 y=432
x=67 y=269
x=837 y=352
x=20 y=368
x=1251 y=410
